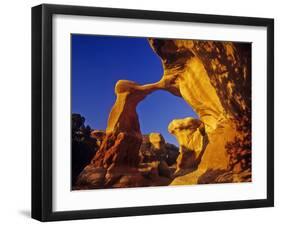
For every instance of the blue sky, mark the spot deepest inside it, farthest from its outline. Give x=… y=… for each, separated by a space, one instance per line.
x=98 y=62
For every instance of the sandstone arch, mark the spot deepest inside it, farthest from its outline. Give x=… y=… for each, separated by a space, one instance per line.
x=212 y=77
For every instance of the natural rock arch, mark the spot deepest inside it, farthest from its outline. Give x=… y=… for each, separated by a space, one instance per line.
x=215 y=79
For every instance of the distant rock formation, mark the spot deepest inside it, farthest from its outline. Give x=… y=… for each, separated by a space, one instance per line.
x=214 y=78
x=84 y=146
x=154 y=148
x=99 y=135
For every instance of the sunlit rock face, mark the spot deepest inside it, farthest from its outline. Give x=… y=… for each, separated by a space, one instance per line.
x=215 y=79
x=121 y=144
x=192 y=139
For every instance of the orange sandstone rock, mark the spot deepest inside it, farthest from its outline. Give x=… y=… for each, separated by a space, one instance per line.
x=214 y=78
x=123 y=135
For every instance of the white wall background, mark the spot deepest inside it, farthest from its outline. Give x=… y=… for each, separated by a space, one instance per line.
x=15 y=111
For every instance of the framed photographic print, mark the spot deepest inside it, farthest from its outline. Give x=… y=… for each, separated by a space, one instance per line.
x=146 y=112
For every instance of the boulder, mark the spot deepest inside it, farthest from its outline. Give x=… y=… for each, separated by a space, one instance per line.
x=91 y=177
x=192 y=139
x=99 y=135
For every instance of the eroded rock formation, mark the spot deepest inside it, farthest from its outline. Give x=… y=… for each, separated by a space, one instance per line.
x=192 y=139
x=118 y=155
x=156 y=166
x=84 y=146
x=155 y=148
x=123 y=138
x=214 y=78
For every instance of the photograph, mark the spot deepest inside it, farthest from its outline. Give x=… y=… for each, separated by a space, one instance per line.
x=154 y=111
x=140 y=112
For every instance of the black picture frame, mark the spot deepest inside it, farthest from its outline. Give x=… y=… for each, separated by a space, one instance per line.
x=42 y=111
